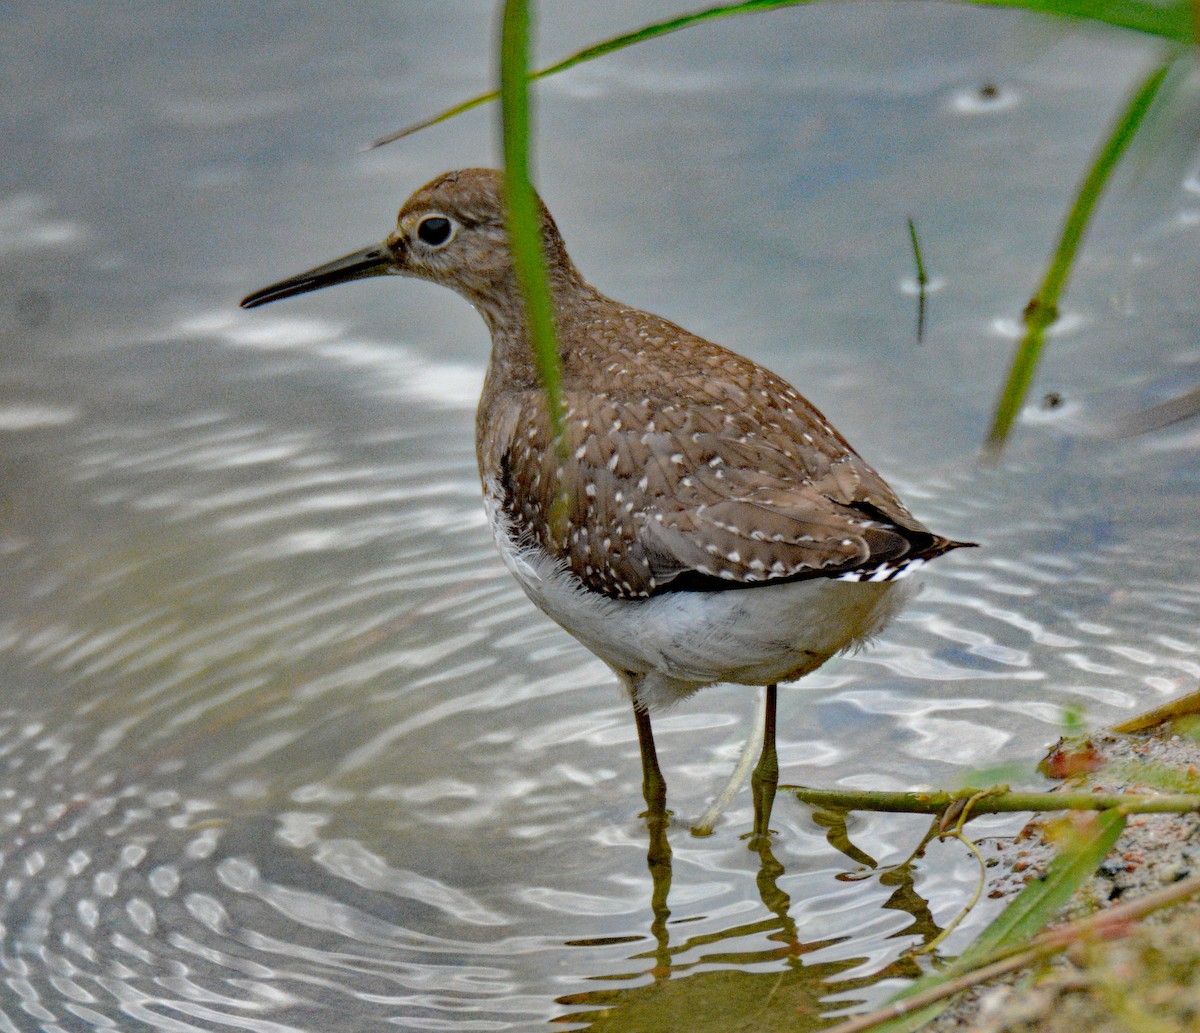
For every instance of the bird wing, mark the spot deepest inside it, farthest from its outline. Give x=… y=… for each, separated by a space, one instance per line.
x=755 y=511
x=650 y=496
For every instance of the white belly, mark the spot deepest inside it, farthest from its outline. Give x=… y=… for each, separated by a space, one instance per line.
x=668 y=646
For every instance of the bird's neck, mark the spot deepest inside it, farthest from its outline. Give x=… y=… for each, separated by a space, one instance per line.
x=575 y=304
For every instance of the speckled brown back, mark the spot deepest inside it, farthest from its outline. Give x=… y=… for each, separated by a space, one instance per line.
x=687 y=466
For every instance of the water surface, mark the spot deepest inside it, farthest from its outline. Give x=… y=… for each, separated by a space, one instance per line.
x=285 y=748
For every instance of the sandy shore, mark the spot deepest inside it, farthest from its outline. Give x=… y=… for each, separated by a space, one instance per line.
x=1147 y=981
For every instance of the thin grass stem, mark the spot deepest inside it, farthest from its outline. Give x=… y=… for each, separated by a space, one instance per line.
x=922 y=279
x=992 y=802
x=522 y=209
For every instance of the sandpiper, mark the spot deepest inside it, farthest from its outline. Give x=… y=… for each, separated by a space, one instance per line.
x=702 y=522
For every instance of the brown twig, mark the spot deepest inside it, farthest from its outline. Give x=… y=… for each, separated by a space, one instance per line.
x=995 y=801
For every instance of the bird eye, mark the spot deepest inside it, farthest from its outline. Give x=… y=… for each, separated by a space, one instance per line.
x=435 y=230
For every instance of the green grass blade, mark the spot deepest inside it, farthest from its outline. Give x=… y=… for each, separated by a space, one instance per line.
x=1037 y=904
x=594 y=51
x=1042 y=310
x=922 y=279
x=523 y=212
x=1175 y=20
x=1027 y=915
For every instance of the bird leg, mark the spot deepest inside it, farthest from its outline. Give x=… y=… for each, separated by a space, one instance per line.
x=658 y=856
x=766 y=775
x=654 y=786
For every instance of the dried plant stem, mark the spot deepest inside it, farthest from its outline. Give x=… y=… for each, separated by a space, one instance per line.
x=997 y=802
x=1109 y=924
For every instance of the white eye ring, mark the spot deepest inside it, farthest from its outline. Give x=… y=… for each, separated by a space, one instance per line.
x=436 y=231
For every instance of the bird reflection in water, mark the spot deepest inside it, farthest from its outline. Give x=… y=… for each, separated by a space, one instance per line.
x=719 y=991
